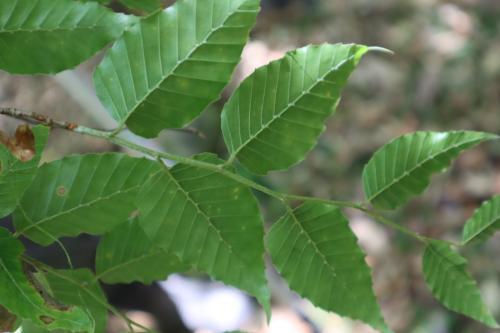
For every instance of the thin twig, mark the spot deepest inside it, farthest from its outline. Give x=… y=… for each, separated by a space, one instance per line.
x=221 y=169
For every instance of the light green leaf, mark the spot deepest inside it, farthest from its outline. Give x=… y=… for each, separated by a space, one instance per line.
x=210 y=222
x=164 y=71
x=127 y=254
x=402 y=169
x=81 y=194
x=446 y=275
x=277 y=114
x=145 y=5
x=79 y=287
x=15 y=175
x=317 y=253
x=21 y=298
x=484 y=222
x=48 y=36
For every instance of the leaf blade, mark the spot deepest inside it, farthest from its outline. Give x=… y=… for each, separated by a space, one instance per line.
x=127 y=255
x=330 y=268
x=389 y=181
x=281 y=108
x=20 y=297
x=484 y=222
x=46 y=36
x=170 y=79
x=210 y=222
x=446 y=275
x=96 y=192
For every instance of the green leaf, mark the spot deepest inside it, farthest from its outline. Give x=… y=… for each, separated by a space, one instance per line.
x=48 y=36
x=484 y=222
x=127 y=254
x=277 y=114
x=164 y=71
x=446 y=275
x=317 y=253
x=21 y=298
x=81 y=194
x=210 y=222
x=79 y=287
x=144 y=5
x=15 y=175
x=402 y=169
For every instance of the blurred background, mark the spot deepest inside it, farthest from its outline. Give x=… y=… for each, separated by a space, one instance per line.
x=444 y=75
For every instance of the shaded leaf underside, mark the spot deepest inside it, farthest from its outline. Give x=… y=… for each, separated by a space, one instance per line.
x=81 y=194
x=446 y=275
x=317 y=253
x=210 y=222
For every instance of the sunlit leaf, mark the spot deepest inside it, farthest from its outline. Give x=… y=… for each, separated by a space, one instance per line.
x=210 y=222
x=446 y=275
x=48 y=36
x=19 y=296
x=164 y=71
x=402 y=168
x=317 y=253
x=81 y=194
x=277 y=114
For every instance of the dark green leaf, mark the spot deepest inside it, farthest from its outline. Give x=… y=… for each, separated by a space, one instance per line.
x=446 y=275
x=79 y=287
x=21 y=298
x=210 y=222
x=317 y=253
x=164 y=71
x=48 y=36
x=15 y=175
x=484 y=223
x=277 y=114
x=402 y=169
x=127 y=254
x=81 y=194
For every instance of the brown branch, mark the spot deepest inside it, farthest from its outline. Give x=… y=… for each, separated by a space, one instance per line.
x=36 y=118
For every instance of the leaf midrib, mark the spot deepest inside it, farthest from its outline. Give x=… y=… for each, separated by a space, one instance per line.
x=289 y=105
x=419 y=165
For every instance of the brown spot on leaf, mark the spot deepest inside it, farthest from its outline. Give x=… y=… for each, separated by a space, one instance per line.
x=7 y=320
x=61 y=191
x=134 y=214
x=46 y=319
x=22 y=145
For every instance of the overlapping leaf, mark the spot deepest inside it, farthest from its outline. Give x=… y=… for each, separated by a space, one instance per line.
x=81 y=194
x=127 y=254
x=317 y=253
x=277 y=114
x=210 y=222
x=79 y=287
x=164 y=71
x=20 y=297
x=484 y=223
x=446 y=275
x=16 y=175
x=402 y=169
x=48 y=36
